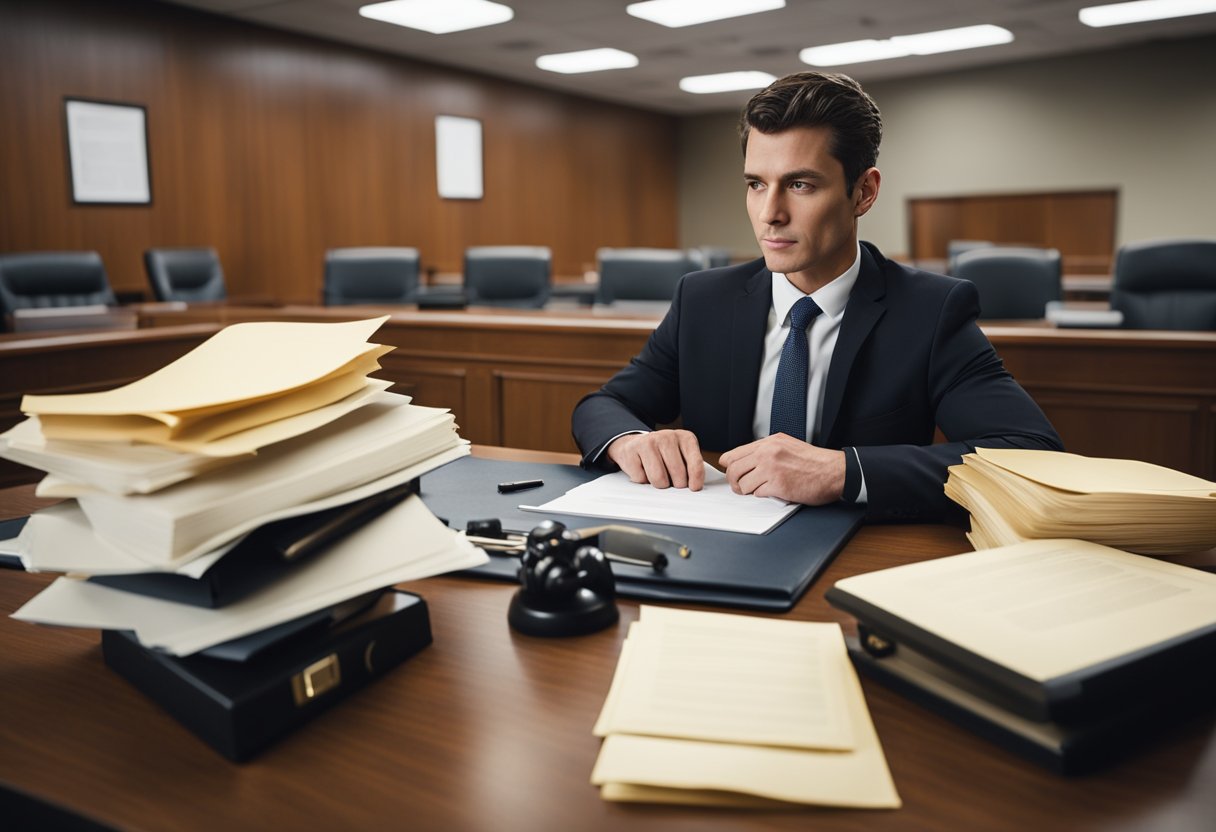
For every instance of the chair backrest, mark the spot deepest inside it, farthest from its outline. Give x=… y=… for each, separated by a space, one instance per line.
x=642 y=273
x=956 y=247
x=41 y=279
x=1166 y=284
x=508 y=275
x=371 y=275
x=713 y=258
x=188 y=274
x=1012 y=282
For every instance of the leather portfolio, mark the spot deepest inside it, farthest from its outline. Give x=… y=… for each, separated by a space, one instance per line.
x=271 y=684
x=764 y=572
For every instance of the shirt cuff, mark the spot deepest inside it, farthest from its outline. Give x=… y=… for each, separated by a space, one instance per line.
x=594 y=458
x=854 y=478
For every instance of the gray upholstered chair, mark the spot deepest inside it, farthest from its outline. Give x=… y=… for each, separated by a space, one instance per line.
x=508 y=275
x=642 y=273
x=713 y=258
x=956 y=247
x=371 y=275
x=41 y=279
x=1166 y=284
x=185 y=274
x=1012 y=282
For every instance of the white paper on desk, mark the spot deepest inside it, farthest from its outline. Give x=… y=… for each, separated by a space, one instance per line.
x=403 y=544
x=730 y=678
x=713 y=507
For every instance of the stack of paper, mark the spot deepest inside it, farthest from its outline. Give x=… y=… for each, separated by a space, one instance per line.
x=261 y=422
x=1018 y=495
x=729 y=710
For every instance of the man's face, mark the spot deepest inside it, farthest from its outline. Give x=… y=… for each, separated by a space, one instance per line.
x=801 y=212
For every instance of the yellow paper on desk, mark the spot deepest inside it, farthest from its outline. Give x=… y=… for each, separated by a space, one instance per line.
x=1094 y=475
x=668 y=745
x=194 y=430
x=240 y=363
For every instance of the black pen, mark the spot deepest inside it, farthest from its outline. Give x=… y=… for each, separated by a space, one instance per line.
x=518 y=485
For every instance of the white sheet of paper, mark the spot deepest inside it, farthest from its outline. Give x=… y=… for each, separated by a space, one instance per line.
x=403 y=544
x=713 y=507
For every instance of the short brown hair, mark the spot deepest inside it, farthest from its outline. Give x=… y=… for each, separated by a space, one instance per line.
x=820 y=99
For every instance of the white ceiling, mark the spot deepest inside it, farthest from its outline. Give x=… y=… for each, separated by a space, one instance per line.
x=769 y=41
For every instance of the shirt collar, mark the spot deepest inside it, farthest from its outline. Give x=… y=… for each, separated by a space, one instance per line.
x=831 y=298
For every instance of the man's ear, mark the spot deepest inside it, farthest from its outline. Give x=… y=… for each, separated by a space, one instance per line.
x=865 y=191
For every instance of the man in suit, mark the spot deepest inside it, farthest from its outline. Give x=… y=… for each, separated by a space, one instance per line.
x=822 y=369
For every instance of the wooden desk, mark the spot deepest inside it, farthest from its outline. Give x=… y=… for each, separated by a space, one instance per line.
x=489 y=730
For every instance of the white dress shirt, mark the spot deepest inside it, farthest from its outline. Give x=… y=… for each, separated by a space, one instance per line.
x=821 y=335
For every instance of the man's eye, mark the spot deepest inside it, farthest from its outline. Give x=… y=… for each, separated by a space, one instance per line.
x=753 y=185
x=800 y=186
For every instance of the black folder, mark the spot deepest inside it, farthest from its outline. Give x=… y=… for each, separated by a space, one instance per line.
x=1073 y=723
x=763 y=572
x=261 y=557
x=240 y=707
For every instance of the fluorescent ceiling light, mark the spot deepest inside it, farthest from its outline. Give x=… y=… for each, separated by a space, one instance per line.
x=588 y=60
x=926 y=43
x=726 y=82
x=676 y=13
x=1116 y=14
x=439 y=16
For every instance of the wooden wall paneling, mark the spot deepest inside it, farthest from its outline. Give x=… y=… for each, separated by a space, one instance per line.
x=1166 y=430
x=274 y=147
x=1080 y=224
x=536 y=408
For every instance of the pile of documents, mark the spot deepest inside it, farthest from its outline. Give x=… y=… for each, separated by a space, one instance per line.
x=1018 y=495
x=728 y=710
x=167 y=475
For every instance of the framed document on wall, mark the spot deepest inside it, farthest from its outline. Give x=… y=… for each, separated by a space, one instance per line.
x=107 y=152
x=458 y=157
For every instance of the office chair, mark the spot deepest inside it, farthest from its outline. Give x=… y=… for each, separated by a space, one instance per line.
x=956 y=247
x=642 y=273
x=1012 y=282
x=371 y=276
x=41 y=279
x=517 y=276
x=713 y=258
x=185 y=274
x=1166 y=284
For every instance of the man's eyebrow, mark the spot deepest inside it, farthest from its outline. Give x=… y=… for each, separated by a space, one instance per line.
x=804 y=173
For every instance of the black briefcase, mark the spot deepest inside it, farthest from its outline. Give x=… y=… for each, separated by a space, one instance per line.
x=243 y=695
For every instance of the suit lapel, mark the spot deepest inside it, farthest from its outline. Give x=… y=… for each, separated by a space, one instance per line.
x=861 y=313
x=749 y=321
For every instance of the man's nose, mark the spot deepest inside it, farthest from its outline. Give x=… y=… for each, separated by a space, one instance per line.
x=772 y=212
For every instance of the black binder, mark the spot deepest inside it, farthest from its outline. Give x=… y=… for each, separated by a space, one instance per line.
x=240 y=707
x=1072 y=723
x=763 y=572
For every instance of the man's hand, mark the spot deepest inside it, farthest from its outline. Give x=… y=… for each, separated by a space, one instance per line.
x=785 y=467
x=662 y=458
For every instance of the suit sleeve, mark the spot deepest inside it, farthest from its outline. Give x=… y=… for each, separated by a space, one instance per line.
x=644 y=394
x=976 y=404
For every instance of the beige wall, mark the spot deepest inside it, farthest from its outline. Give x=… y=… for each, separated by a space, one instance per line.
x=1142 y=120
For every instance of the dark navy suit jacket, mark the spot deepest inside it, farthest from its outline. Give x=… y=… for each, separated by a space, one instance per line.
x=909 y=358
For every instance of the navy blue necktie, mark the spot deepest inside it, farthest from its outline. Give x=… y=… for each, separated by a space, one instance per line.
x=789 y=393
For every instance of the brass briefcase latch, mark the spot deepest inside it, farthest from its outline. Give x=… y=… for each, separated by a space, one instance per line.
x=316 y=679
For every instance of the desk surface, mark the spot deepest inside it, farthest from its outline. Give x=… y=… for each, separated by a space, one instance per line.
x=489 y=730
